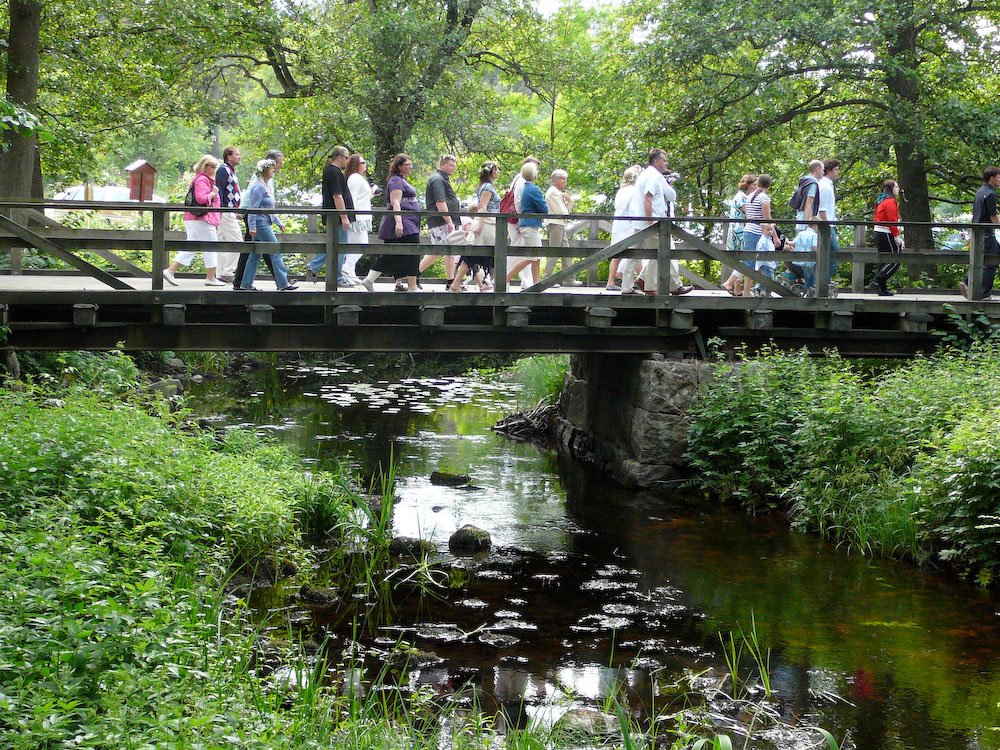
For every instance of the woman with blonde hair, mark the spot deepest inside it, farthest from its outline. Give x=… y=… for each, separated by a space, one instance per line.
x=529 y=227
x=734 y=284
x=201 y=225
x=622 y=228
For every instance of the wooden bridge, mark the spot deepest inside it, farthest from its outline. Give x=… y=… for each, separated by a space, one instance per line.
x=103 y=300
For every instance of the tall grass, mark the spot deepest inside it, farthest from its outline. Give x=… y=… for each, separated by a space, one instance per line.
x=890 y=464
x=541 y=377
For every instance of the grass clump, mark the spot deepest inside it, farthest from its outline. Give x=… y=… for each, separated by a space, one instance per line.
x=896 y=463
x=540 y=376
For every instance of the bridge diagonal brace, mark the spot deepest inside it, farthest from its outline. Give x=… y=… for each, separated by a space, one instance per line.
x=720 y=255
x=109 y=256
x=48 y=246
x=592 y=260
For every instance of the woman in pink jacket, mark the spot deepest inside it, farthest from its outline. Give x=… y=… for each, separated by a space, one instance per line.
x=201 y=226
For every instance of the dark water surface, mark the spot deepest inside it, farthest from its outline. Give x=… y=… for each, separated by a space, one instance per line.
x=589 y=586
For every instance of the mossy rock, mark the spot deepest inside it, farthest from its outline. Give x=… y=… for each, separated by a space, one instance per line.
x=469 y=540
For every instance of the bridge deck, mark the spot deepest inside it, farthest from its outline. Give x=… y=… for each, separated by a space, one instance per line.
x=93 y=308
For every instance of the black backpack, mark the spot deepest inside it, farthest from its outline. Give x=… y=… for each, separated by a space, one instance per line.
x=798 y=199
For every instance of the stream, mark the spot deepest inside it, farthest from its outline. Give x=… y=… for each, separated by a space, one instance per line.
x=590 y=588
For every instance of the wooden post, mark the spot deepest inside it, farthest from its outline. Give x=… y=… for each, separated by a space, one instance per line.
x=500 y=257
x=823 y=261
x=593 y=233
x=858 y=269
x=663 y=254
x=159 y=244
x=332 y=267
x=977 y=251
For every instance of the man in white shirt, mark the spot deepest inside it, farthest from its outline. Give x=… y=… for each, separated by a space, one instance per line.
x=653 y=198
x=559 y=201
x=828 y=205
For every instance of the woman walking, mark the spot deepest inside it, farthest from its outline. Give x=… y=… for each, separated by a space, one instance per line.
x=622 y=228
x=734 y=284
x=403 y=228
x=758 y=211
x=530 y=228
x=260 y=219
x=361 y=223
x=485 y=230
x=201 y=225
x=887 y=239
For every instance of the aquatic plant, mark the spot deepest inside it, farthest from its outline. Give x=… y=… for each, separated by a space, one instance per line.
x=541 y=377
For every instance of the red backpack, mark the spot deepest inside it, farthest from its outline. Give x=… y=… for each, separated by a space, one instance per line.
x=507 y=206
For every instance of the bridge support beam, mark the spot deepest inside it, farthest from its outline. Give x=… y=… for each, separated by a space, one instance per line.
x=4 y=315
x=432 y=316
x=682 y=319
x=760 y=320
x=516 y=316
x=85 y=315
x=174 y=315
x=261 y=315
x=914 y=322
x=600 y=317
x=347 y=315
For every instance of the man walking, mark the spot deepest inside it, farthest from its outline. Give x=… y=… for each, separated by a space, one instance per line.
x=440 y=196
x=828 y=205
x=335 y=195
x=229 y=224
x=984 y=211
x=651 y=200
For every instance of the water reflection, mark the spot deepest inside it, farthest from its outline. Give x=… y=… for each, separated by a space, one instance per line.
x=591 y=589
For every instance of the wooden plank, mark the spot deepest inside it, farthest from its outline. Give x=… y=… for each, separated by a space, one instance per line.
x=51 y=248
x=723 y=257
x=591 y=260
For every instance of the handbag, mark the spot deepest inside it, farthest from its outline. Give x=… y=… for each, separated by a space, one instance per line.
x=194 y=207
x=507 y=206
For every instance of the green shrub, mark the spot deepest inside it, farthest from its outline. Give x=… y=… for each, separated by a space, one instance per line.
x=957 y=489
x=541 y=377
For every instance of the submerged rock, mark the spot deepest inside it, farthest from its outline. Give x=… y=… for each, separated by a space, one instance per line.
x=469 y=540
x=586 y=722
x=316 y=596
x=447 y=479
x=410 y=546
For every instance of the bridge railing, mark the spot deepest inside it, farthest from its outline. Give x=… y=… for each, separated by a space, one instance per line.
x=684 y=238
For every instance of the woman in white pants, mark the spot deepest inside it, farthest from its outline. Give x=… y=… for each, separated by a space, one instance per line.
x=203 y=225
x=361 y=223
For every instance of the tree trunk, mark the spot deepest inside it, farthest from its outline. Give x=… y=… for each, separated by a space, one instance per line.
x=17 y=162
x=391 y=134
x=908 y=141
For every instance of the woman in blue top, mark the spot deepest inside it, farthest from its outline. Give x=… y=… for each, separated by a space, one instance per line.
x=530 y=228
x=261 y=197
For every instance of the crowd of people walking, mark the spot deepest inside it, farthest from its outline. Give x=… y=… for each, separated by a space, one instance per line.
x=645 y=195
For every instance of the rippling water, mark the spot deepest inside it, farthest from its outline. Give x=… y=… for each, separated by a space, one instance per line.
x=589 y=586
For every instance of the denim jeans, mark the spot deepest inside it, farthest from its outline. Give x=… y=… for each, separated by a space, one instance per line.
x=319 y=261
x=265 y=234
x=834 y=248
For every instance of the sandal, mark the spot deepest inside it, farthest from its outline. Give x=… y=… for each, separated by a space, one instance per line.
x=400 y=286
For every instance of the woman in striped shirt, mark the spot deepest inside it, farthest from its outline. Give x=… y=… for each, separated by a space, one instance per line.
x=757 y=209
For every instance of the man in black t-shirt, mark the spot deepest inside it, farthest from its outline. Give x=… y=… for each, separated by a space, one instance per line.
x=440 y=196
x=984 y=211
x=335 y=195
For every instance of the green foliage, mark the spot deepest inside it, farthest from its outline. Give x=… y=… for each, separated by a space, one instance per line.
x=887 y=464
x=103 y=372
x=17 y=120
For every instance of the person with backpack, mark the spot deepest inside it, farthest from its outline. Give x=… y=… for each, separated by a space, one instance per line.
x=805 y=200
x=200 y=223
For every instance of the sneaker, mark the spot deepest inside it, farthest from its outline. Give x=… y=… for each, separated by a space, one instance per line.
x=228 y=278
x=289 y=288
x=613 y=288
x=215 y=282
x=683 y=289
x=574 y=282
x=169 y=277
x=368 y=284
